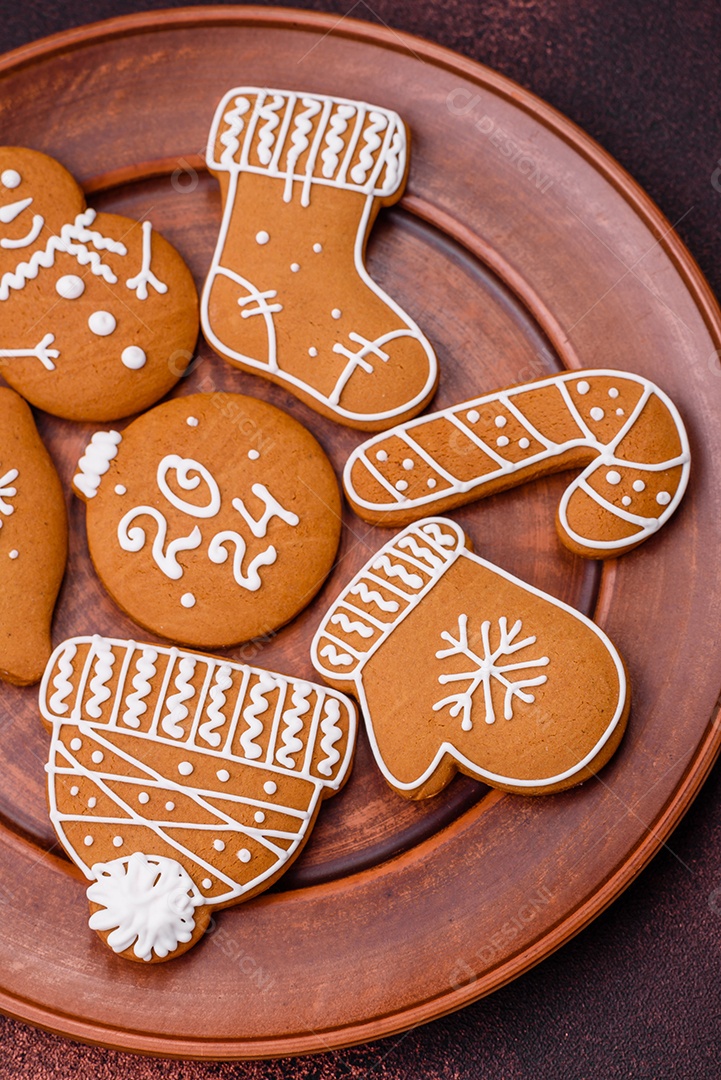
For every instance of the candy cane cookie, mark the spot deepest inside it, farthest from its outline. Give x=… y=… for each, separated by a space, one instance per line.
x=620 y=429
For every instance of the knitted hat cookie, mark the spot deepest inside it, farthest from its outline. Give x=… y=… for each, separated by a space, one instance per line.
x=623 y=432
x=457 y=665
x=288 y=296
x=33 y=543
x=98 y=313
x=181 y=783
x=211 y=519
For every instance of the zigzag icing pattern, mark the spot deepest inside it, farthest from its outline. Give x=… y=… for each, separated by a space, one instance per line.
x=136 y=704
x=258 y=705
x=95 y=462
x=334 y=144
x=104 y=661
x=61 y=682
x=234 y=120
x=372 y=596
x=293 y=724
x=299 y=140
x=269 y=112
x=177 y=709
x=352 y=626
x=413 y=581
x=332 y=733
x=216 y=716
x=372 y=141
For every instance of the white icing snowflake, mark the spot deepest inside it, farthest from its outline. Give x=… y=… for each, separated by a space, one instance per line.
x=487 y=669
x=148 y=900
x=7 y=491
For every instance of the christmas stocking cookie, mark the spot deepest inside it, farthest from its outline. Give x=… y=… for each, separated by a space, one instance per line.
x=458 y=665
x=181 y=783
x=302 y=178
x=622 y=431
x=33 y=543
x=98 y=313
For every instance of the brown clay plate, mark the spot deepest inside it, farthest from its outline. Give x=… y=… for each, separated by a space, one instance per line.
x=521 y=248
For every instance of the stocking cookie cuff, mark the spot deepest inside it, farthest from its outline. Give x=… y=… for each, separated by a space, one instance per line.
x=381 y=595
x=309 y=139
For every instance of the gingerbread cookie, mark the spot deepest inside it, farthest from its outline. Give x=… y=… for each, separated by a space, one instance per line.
x=621 y=430
x=98 y=313
x=33 y=543
x=181 y=783
x=458 y=665
x=212 y=519
x=288 y=296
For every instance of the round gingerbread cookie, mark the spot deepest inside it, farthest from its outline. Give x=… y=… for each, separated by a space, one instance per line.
x=98 y=313
x=211 y=519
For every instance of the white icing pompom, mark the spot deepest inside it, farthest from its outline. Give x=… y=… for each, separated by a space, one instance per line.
x=70 y=287
x=102 y=323
x=145 y=900
x=10 y=178
x=262 y=237
x=133 y=357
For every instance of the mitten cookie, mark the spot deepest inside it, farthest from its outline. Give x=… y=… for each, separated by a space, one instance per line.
x=288 y=296
x=623 y=431
x=212 y=519
x=33 y=543
x=181 y=783
x=458 y=665
x=98 y=313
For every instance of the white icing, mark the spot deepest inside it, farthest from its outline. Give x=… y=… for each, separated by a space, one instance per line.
x=63 y=686
x=295 y=267
x=133 y=357
x=500 y=421
x=145 y=276
x=262 y=237
x=14 y=553
x=613 y=477
x=336 y=313
x=332 y=733
x=253 y=455
x=597 y=413
x=663 y=498
x=10 y=178
x=613 y=392
x=104 y=661
x=626 y=500
x=187 y=600
x=473 y=416
x=70 y=286
x=293 y=724
x=120 y=489
x=502 y=440
x=317 y=248
x=366 y=457
x=334 y=144
x=244 y=855
x=102 y=323
x=146 y=901
x=8 y=491
x=216 y=716
x=95 y=462
x=270 y=787
x=41 y=352
x=639 y=485
x=136 y=704
x=183 y=470
x=185 y=768
x=133 y=540
x=177 y=705
x=312 y=351
x=258 y=705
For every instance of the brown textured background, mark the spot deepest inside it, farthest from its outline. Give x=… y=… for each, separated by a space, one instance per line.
x=637 y=994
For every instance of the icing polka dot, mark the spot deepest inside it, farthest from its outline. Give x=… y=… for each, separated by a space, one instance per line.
x=473 y=417
x=524 y=443
x=382 y=455
x=638 y=485
x=92 y=802
x=502 y=440
x=613 y=392
x=97 y=756
x=14 y=553
x=187 y=600
x=10 y=178
x=583 y=387
x=295 y=267
x=88 y=841
x=619 y=412
x=500 y=421
x=262 y=237
x=120 y=489
x=207 y=883
x=312 y=351
x=74 y=790
x=317 y=248
x=613 y=477
x=401 y=485
x=627 y=500
x=244 y=855
x=663 y=498
x=143 y=797
x=170 y=806
x=76 y=744
x=597 y=413
x=270 y=787
x=336 y=313
x=219 y=845
x=253 y=455
x=223 y=775
x=101 y=323
x=192 y=421
x=117 y=841
x=431 y=482
x=185 y=768
x=408 y=463
x=259 y=817
x=133 y=357
x=70 y=286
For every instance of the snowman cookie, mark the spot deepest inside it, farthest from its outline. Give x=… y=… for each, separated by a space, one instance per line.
x=98 y=313
x=180 y=783
x=458 y=666
x=211 y=519
x=33 y=543
x=288 y=296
